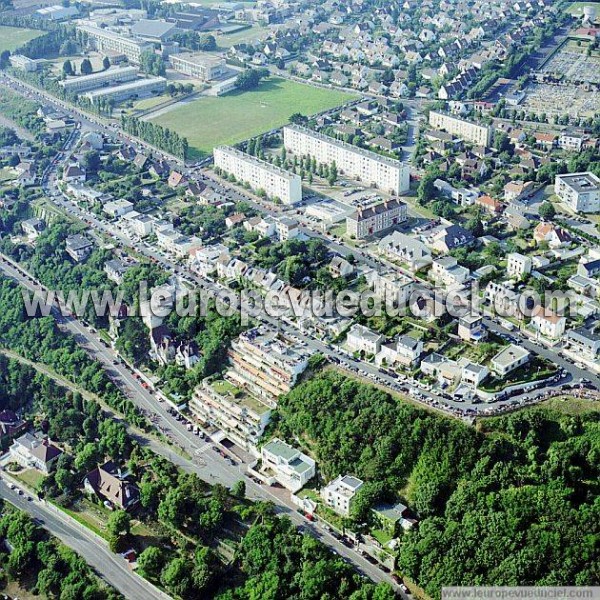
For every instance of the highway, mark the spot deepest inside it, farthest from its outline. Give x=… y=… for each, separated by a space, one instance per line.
x=93 y=549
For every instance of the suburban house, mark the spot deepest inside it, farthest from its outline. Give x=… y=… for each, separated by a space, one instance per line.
x=108 y=483
x=406 y=351
x=518 y=265
x=73 y=173
x=553 y=235
x=34 y=453
x=11 y=424
x=548 y=324
x=471 y=328
x=392 y=517
x=584 y=342
x=448 y=272
x=411 y=252
x=338 y=494
x=340 y=267
x=508 y=359
x=32 y=227
x=78 y=247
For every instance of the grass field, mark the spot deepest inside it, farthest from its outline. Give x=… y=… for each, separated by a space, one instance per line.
x=12 y=38
x=576 y=8
x=245 y=36
x=208 y=122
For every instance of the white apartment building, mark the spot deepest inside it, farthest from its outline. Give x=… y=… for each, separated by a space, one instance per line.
x=266 y=363
x=260 y=175
x=371 y=168
x=202 y=66
x=405 y=351
x=469 y=131
x=240 y=416
x=448 y=272
x=290 y=467
x=132 y=89
x=117 y=208
x=84 y=83
x=338 y=494
x=391 y=286
x=139 y=224
x=518 y=265
x=105 y=40
x=362 y=339
x=376 y=218
x=471 y=328
x=580 y=191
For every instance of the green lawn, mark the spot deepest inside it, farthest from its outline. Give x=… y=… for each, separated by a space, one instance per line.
x=12 y=38
x=245 y=36
x=209 y=122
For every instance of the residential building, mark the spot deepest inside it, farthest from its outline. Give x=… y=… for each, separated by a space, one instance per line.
x=508 y=359
x=78 y=247
x=239 y=415
x=362 y=339
x=22 y=62
x=553 y=235
x=407 y=350
x=338 y=494
x=571 y=141
x=473 y=374
x=376 y=218
x=393 y=517
x=34 y=453
x=74 y=173
x=105 y=40
x=266 y=363
x=549 y=324
x=584 y=342
x=448 y=238
x=391 y=286
x=515 y=191
x=110 y=77
x=11 y=424
x=406 y=249
x=110 y=484
x=132 y=89
x=287 y=228
x=260 y=175
x=371 y=168
x=340 y=267
x=141 y=225
x=580 y=191
x=115 y=270
x=518 y=265
x=202 y=66
x=469 y=131
x=32 y=227
x=117 y=208
x=290 y=467
x=471 y=328
x=448 y=272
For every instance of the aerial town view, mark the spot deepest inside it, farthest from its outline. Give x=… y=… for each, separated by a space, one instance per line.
x=300 y=300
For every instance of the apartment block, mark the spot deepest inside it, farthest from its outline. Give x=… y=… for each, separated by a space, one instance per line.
x=580 y=191
x=132 y=89
x=266 y=363
x=371 y=168
x=104 y=40
x=259 y=174
x=202 y=66
x=290 y=467
x=338 y=494
x=84 y=83
x=376 y=218
x=469 y=131
x=240 y=416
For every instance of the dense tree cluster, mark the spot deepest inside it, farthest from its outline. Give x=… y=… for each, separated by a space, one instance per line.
x=250 y=79
x=158 y=136
x=516 y=504
x=44 y=565
x=152 y=64
x=22 y=111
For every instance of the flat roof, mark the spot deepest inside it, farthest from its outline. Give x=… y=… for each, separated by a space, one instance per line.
x=581 y=182
x=256 y=161
x=280 y=448
x=125 y=87
x=199 y=58
x=509 y=355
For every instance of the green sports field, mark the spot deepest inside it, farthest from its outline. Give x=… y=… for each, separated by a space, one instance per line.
x=12 y=38
x=209 y=122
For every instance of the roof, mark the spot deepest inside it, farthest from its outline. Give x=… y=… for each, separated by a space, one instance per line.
x=509 y=355
x=392 y=512
x=281 y=449
x=78 y=242
x=104 y=483
x=408 y=342
x=376 y=209
x=151 y=28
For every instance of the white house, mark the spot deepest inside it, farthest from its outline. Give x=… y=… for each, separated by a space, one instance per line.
x=406 y=351
x=448 y=272
x=508 y=359
x=548 y=324
x=290 y=467
x=33 y=453
x=518 y=265
x=362 y=339
x=338 y=494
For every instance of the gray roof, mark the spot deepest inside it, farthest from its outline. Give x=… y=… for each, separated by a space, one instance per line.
x=584 y=336
x=281 y=449
x=149 y=28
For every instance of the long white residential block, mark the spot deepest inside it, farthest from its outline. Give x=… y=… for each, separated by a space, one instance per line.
x=371 y=168
x=260 y=175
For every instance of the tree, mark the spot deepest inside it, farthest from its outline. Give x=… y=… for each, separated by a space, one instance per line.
x=86 y=67
x=177 y=577
x=249 y=79
x=547 y=211
x=67 y=68
x=119 y=523
x=239 y=489
x=150 y=562
x=207 y=42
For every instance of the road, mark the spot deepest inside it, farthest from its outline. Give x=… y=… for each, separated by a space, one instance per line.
x=94 y=550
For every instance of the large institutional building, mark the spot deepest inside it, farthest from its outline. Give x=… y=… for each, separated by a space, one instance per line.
x=202 y=66
x=467 y=130
x=131 y=89
x=376 y=218
x=581 y=191
x=84 y=83
x=104 y=40
x=373 y=169
x=259 y=174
